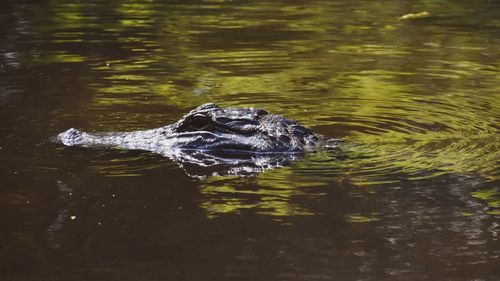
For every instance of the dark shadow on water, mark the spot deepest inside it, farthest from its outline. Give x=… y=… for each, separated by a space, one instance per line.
x=158 y=225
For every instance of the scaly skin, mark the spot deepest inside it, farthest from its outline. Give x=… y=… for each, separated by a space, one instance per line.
x=226 y=136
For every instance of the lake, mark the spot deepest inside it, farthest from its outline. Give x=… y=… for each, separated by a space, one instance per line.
x=413 y=194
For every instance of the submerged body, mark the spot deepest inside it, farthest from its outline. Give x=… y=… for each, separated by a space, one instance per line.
x=210 y=134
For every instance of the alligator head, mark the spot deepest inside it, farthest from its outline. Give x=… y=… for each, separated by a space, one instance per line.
x=240 y=130
x=239 y=139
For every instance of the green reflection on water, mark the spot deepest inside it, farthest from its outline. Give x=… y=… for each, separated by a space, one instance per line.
x=60 y=57
x=360 y=218
x=491 y=197
x=371 y=50
x=269 y=193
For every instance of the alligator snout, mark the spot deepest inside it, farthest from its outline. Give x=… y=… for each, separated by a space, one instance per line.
x=71 y=137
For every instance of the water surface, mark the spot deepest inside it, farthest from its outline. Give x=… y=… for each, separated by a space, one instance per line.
x=413 y=195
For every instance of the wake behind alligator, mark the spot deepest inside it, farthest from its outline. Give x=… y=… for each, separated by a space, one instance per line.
x=211 y=140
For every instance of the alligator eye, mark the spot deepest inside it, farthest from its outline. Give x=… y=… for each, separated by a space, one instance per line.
x=198 y=121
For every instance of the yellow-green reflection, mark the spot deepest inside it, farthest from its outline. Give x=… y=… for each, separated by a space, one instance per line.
x=136 y=14
x=60 y=57
x=371 y=50
x=491 y=197
x=360 y=218
x=270 y=193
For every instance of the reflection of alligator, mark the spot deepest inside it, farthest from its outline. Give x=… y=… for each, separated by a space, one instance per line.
x=243 y=139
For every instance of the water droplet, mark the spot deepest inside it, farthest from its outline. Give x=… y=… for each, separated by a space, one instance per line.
x=72 y=218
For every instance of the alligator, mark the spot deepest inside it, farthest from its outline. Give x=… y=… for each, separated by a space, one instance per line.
x=242 y=140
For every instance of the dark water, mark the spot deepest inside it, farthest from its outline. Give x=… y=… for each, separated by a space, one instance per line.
x=414 y=195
